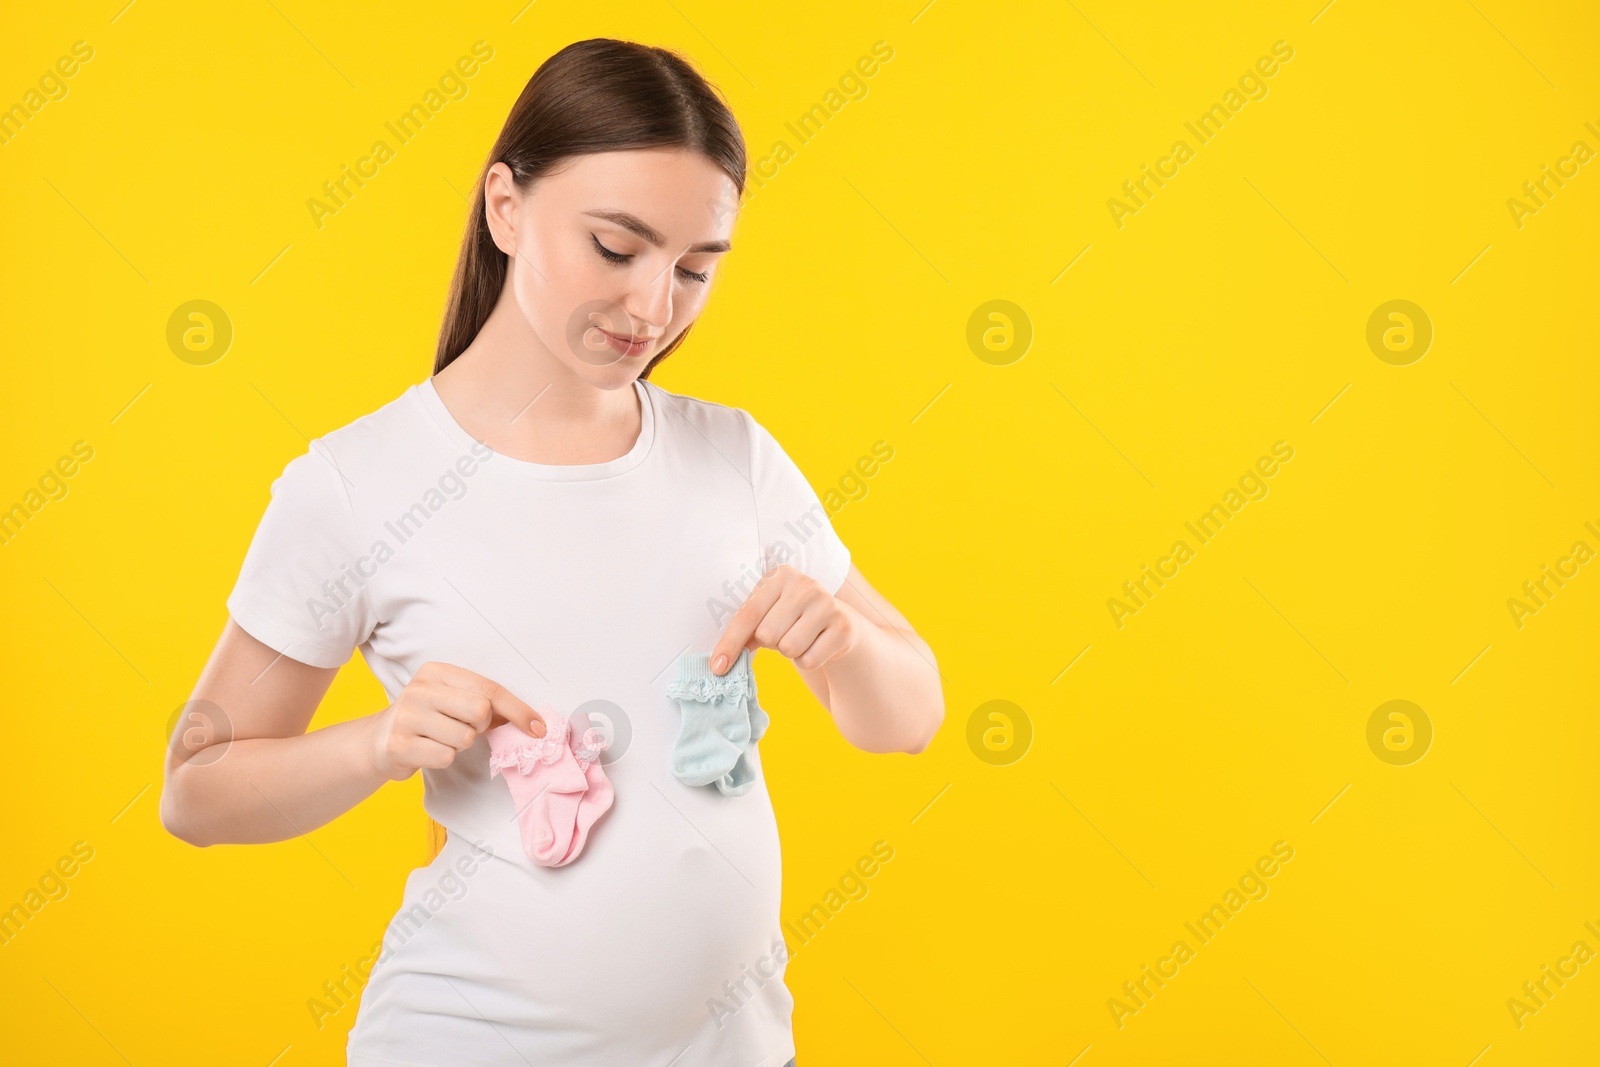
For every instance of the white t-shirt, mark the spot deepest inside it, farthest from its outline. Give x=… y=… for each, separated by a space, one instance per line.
x=577 y=586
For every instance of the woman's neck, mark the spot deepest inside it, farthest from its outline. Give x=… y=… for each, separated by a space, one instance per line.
x=510 y=392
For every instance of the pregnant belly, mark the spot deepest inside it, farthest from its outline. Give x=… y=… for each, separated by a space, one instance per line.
x=669 y=916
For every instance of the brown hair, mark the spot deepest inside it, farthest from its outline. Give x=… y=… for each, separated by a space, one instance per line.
x=599 y=95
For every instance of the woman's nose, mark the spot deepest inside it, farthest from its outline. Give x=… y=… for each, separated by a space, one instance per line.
x=651 y=306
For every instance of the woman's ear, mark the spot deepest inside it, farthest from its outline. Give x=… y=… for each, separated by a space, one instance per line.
x=500 y=202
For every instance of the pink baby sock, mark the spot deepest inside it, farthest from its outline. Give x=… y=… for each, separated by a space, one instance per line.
x=547 y=783
x=597 y=801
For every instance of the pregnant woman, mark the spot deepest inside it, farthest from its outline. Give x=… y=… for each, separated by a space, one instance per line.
x=537 y=547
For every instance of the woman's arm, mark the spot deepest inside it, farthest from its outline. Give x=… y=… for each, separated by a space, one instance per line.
x=854 y=650
x=885 y=694
x=240 y=767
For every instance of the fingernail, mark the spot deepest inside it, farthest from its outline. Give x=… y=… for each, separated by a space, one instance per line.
x=716 y=666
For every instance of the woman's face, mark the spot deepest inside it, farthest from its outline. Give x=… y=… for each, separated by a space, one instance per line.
x=613 y=247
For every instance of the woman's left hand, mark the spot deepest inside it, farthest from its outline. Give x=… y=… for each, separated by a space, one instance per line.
x=791 y=612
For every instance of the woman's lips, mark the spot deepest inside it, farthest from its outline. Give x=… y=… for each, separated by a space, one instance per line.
x=622 y=346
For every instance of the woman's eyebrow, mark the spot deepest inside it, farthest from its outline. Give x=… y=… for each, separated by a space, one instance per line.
x=638 y=226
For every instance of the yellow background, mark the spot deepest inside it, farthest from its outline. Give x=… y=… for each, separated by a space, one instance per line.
x=1229 y=313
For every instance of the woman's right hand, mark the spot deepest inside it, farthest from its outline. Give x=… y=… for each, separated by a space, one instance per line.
x=441 y=712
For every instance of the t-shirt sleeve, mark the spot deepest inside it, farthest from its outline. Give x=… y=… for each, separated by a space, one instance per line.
x=792 y=524
x=299 y=588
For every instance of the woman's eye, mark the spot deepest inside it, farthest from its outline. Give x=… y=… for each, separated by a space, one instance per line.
x=696 y=277
x=615 y=257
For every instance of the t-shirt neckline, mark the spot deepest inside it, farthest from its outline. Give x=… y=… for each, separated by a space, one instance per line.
x=549 y=472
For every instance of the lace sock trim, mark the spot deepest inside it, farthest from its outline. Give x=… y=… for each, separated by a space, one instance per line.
x=696 y=682
x=529 y=752
x=589 y=747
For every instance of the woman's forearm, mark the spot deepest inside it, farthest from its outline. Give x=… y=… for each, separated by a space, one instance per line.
x=265 y=789
x=885 y=694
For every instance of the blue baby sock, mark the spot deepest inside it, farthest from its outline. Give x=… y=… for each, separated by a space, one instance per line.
x=738 y=781
x=716 y=719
